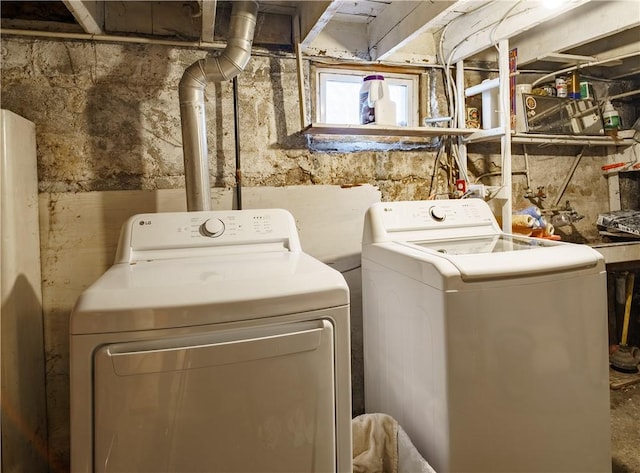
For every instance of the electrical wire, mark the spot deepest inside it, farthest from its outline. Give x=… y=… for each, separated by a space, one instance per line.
x=451 y=88
x=586 y=64
x=436 y=163
x=504 y=17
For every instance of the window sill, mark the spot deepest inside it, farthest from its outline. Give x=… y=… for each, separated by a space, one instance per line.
x=379 y=130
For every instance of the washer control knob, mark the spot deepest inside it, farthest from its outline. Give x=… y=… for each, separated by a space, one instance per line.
x=214 y=227
x=437 y=213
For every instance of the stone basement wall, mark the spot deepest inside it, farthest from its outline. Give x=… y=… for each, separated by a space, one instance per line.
x=107 y=119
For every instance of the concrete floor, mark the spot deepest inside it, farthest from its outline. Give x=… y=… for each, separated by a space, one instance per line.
x=625 y=429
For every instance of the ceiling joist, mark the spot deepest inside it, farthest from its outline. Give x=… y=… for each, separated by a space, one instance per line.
x=481 y=29
x=208 y=17
x=395 y=27
x=88 y=13
x=389 y=31
x=314 y=17
x=604 y=19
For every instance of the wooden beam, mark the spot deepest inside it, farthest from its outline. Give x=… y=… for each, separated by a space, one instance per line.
x=501 y=19
x=313 y=17
x=208 y=18
x=88 y=13
x=402 y=22
x=345 y=41
x=301 y=87
x=570 y=31
x=129 y=17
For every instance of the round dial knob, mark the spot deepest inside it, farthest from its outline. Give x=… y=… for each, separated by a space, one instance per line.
x=213 y=227
x=437 y=213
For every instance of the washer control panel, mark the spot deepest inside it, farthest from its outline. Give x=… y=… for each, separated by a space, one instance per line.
x=207 y=229
x=385 y=218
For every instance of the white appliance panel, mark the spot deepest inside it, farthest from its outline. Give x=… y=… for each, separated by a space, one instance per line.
x=182 y=234
x=465 y=371
x=433 y=219
x=219 y=346
x=503 y=371
x=463 y=232
x=159 y=404
x=23 y=415
x=216 y=288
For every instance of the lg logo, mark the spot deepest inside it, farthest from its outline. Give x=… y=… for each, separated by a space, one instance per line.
x=145 y=222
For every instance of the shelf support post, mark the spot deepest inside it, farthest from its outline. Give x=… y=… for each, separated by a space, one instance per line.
x=461 y=117
x=505 y=123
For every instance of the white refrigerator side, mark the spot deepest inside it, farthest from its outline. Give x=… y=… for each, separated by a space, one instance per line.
x=22 y=395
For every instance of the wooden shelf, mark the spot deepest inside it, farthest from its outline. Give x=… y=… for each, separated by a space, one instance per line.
x=584 y=140
x=378 y=130
x=471 y=135
x=619 y=252
x=479 y=136
x=548 y=140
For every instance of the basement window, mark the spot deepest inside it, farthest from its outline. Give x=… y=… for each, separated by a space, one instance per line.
x=338 y=96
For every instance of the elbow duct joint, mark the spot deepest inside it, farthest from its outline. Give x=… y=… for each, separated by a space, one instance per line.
x=227 y=65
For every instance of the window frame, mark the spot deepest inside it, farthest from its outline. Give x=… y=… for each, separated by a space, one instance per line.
x=411 y=81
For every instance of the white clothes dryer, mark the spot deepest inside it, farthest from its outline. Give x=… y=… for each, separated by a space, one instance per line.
x=489 y=349
x=213 y=344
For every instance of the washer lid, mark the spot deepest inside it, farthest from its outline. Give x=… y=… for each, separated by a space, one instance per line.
x=500 y=243
x=503 y=255
x=185 y=292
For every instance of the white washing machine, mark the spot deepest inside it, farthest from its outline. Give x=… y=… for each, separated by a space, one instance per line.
x=214 y=344
x=489 y=349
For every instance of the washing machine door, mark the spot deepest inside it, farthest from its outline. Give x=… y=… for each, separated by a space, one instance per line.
x=250 y=400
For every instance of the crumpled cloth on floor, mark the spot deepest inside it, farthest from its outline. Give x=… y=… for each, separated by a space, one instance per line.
x=375 y=444
x=409 y=459
x=380 y=445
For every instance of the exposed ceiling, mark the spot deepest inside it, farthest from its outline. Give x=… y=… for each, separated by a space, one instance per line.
x=603 y=33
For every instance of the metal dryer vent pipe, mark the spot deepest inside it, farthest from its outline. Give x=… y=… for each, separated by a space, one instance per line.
x=227 y=65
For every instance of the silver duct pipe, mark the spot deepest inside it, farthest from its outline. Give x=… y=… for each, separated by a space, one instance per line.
x=231 y=61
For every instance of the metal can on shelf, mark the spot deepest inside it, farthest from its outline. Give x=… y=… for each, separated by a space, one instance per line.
x=549 y=90
x=473 y=118
x=561 y=87
x=573 y=84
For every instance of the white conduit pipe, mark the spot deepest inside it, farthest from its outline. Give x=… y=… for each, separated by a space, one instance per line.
x=216 y=45
x=110 y=38
x=483 y=86
x=224 y=67
x=625 y=94
x=582 y=66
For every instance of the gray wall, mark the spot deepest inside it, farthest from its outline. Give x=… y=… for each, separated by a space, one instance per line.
x=108 y=124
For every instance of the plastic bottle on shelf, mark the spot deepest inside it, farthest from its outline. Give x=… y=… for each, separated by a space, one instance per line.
x=586 y=90
x=611 y=119
x=376 y=106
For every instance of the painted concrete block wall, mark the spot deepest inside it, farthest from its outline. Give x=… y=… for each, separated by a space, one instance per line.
x=107 y=119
